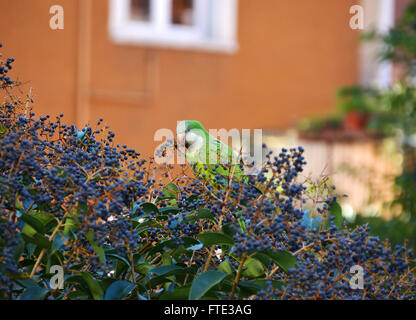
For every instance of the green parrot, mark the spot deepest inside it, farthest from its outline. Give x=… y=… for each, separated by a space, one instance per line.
x=211 y=159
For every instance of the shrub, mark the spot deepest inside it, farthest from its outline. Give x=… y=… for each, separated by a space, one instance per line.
x=75 y=199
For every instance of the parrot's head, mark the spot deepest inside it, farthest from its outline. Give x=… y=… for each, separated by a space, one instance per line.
x=191 y=132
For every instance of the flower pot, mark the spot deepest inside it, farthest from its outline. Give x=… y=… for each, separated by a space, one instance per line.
x=356 y=120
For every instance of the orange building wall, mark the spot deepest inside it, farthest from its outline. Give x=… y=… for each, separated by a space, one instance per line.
x=293 y=56
x=44 y=59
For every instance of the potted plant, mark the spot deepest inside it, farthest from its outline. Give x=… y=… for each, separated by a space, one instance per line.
x=356 y=104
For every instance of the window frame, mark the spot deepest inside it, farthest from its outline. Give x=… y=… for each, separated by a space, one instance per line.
x=215 y=31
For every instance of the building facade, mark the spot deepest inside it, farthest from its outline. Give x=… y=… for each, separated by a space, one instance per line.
x=143 y=65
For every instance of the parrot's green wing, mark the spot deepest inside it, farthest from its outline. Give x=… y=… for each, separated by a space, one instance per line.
x=211 y=159
x=216 y=162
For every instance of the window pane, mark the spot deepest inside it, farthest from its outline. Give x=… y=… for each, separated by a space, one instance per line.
x=183 y=12
x=140 y=10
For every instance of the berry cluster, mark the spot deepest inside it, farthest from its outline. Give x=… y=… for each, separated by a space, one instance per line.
x=5 y=67
x=78 y=199
x=77 y=179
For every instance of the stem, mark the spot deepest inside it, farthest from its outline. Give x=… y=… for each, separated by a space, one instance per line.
x=42 y=253
x=190 y=264
x=295 y=253
x=211 y=251
x=133 y=275
x=237 y=277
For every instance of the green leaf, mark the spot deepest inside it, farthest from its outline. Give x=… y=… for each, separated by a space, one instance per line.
x=28 y=230
x=189 y=242
x=162 y=246
x=120 y=268
x=44 y=217
x=156 y=281
x=166 y=270
x=172 y=270
x=283 y=259
x=3 y=130
x=336 y=211
x=263 y=258
x=70 y=225
x=119 y=258
x=229 y=229
x=215 y=238
x=106 y=283
x=33 y=222
x=168 y=210
x=30 y=248
x=61 y=173
x=242 y=225
x=144 y=226
x=38 y=239
x=181 y=293
x=54 y=258
x=205 y=214
x=248 y=288
x=71 y=222
x=78 y=294
x=98 y=250
x=201 y=214
x=143 y=268
x=34 y=293
x=226 y=267
x=254 y=268
x=58 y=241
x=119 y=290
x=149 y=208
x=170 y=191
x=27 y=282
x=18 y=251
x=204 y=282
x=166 y=259
x=263 y=283
x=93 y=285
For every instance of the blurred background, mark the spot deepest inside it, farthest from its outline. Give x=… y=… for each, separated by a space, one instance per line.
x=296 y=69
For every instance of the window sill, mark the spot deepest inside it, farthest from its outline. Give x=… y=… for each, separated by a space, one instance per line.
x=192 y=44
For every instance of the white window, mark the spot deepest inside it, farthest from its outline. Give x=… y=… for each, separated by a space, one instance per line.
x=185 y=24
